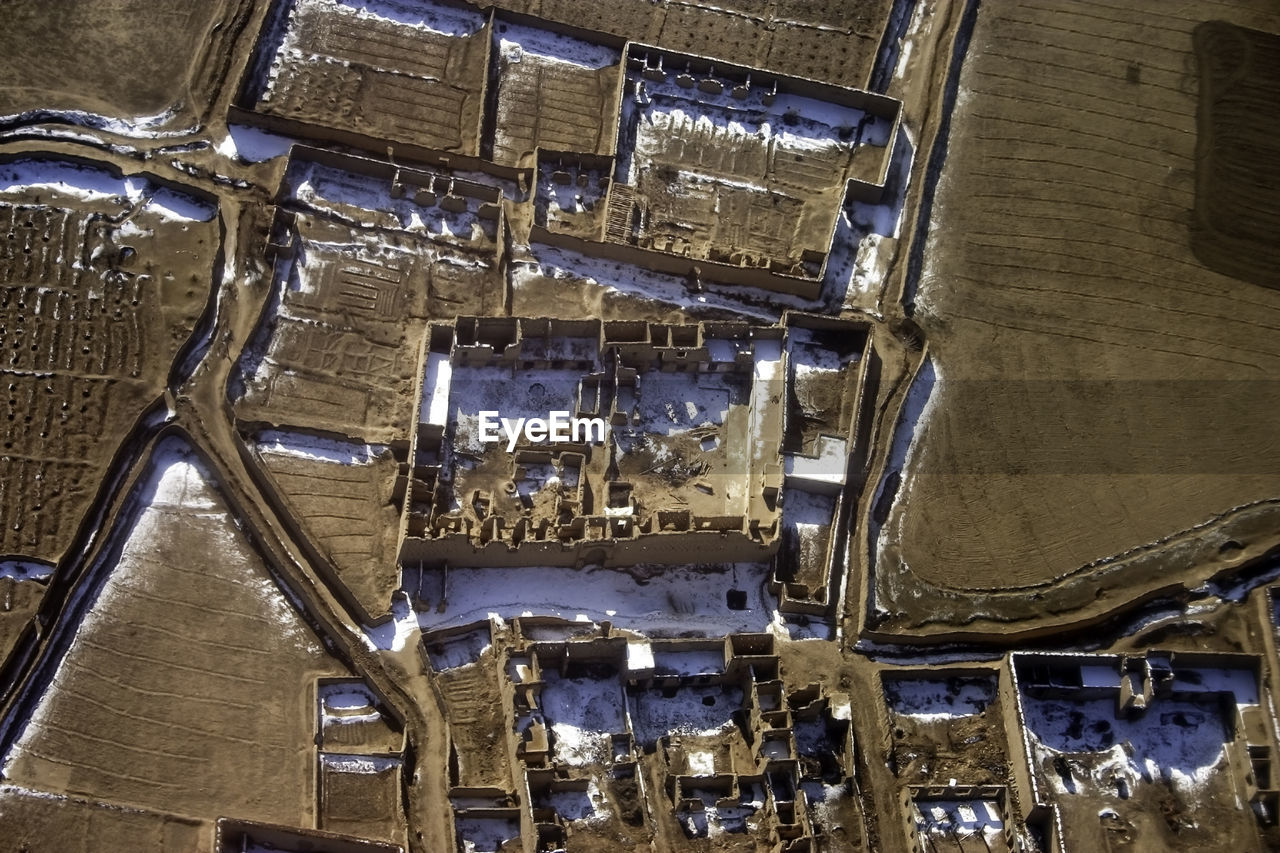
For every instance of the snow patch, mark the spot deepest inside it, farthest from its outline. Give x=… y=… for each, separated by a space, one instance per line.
x=671 y=602
x=515 y=40
x=582 y=713
x=452 y=652
x=362 y=764
x=140 y=126
x=575 y=805
x=913 y=421
x=930 y=700
x=252 y=144
x=346 y=703
x=87 y=183
x=959 y=819
x=485 y=834
x=693 y=711
x=23 y=570
x=1179 y=741
x=418 y=15
x=304 y=445
x=393 y=635
x=641 y=283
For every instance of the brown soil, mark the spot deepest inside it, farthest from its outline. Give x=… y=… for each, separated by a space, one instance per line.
x=347 y=510
x=1059 y=251
x=1062 y=245
x=477 y=723
x=970 y=748
x=353 y=72
x=128 y=720
x=19 y=600
x=1237 y=194
x=103 y=59
x=340 y=367
x=93 y=310
x=833 y=40
x=37 y=823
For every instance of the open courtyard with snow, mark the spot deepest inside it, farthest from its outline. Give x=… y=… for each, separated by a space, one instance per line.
x=540 y=426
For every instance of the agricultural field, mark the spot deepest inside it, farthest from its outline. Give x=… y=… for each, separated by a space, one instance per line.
x=756 y=427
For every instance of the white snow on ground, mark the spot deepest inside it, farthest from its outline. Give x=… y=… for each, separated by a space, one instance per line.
x=358 y=763
x=578 y=747
x=565 y=197
x=823 y=800
x=177 y=490
x=639 y=655
x=864 y=271
x=8 y=789
x=939 y=699
x=91 y=184
x=142 y=126
x=437 y=382
x=1183 y=742
x=664 y=119
x=252 y=144
x=913 y=421
x=419 y=14
x=25 y=570
x=767 y=377
x=1241 y=683
x=696 y=710
x=176 y=207
x=582 y=713
x=801 y=627
x=690 y=662
x=453 y=652
x=701 y=762
x=809 y=121
x=677 y=599
x=919 y=15
x=715 y=820
x=859 y=258
x=884 y=217
x=830 y=115
x=393 y=635
x=485 y=834
x=576 y=805
x=347 y=703
x=808 y=358
x=673 y=403
x=644 y=284
x=536 y=393
x=315 y=184
x=808 y=516
x=958 y=818
x=366 y=201
x=904 y=56
x=515 y=40
x=307 y=446
x=880 y=219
